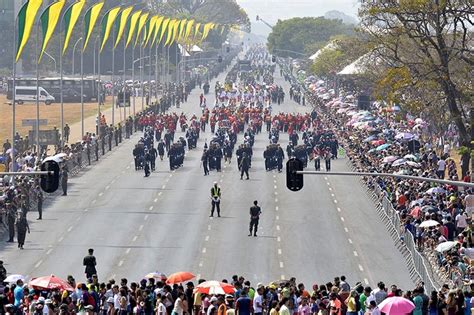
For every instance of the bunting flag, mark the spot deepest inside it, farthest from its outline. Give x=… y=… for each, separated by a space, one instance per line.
x=197 y=31
x=90 y=19
x=150 y=26
x=189 y=28
x=132 y=25
x=107 y=24
x=141 y=24
x=158 y=23
x=121 y=22
x=26 y=19
x=222 y=29
x=175 y=32
x=49 y=19
x=164 y=28
x=207 y=28
x=182 y=29
x=170 y=31
x=71 y=15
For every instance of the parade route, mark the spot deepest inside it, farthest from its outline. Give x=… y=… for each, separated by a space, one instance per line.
x=139 y=225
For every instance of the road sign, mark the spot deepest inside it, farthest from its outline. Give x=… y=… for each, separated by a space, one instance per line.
x=46 y=137
x=32 y=122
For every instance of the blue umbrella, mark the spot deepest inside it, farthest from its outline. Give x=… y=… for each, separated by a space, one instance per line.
x=370 y=138
x=383 y=147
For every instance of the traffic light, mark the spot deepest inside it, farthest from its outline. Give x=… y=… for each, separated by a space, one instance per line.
x=274 y=59
x=50 y=182
x=294 y=182
x=219 y=59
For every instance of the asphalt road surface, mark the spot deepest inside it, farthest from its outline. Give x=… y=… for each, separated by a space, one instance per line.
x=139 y=225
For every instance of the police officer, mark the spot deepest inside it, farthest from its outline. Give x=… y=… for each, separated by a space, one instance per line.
x=64 y=178
x=255 y=212
x=22 y=227
x=11 y=217
x=205 y=162
x=39 y=202
x=216 y=199
x=90 y=262
x=153 y=155
x=244 y=166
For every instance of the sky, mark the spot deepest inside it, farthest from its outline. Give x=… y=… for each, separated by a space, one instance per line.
x=272 y=10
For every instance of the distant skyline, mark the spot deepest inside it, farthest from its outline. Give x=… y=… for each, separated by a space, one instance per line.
x=273 y=10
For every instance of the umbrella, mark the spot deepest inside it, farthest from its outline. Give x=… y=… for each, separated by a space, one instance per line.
x=429 y=208
x=215 y=287
x=399 y=162
x=429 y=223
x=371 y=138
x=156 y=275
x=415 y=212
x=50 y=283
x=14 y=278
x=436 y=190
x=445 y=246
x=396 y=305
x=378 y=142
x=390 y=159
x=413 y=164
x=410 y=157
x=404 y=136
x=179 y=277
x=382 y=147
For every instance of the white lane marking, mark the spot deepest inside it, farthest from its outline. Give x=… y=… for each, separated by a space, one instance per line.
x=160 y=193
x=342 y=219
x=128 y=251
x=275 y=181
x=278 y=228
x=335 y=201
x=276 y=208
x=94 y=201
x=101 y=194
x=350 y=241
x=128 y=167
x=151 y=208
x=49 y=251
x=85 y=210
x=38 y=263
x=360 y=268
x=278 y=239
x=330 y=189
x=221 y=180
x=146 y=217
x=328 y=184
x=207 y=238
x=277 y=217
x=204 y=250
x=78 y=218
x=107 y=187
x=209 y=227
x=282 y=277
x=141 y=227
x=120 y=263
x=61 y=239
x=70 y=228
x=346 y=229
x=332 y=195
x=167 y=180
x=156 y=200
x=276 y=199
x=355 y=254
x=279 y=251
x=135 y=238
x=163 y=187
x=325 y=177
x=366 y=281
x=274 y=176
x=123 y=172
x=200 y=264
x=281 y=264
x=339 y=209
x=276 y=193
x=275 y=186
x=171 y=175
x=113 y=181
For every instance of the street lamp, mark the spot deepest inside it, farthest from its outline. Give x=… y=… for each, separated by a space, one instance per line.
x=133 y=80
x=73 y=53
x=54 y=60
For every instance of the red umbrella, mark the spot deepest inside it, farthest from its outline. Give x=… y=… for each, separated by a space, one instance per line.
x=179 y=277
x=50 y=283
x=215 y=287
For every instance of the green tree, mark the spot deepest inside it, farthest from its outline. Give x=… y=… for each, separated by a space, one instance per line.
x=431 y=43
x=299 y=34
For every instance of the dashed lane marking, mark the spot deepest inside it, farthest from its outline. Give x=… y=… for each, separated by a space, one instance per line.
x=128 y=251
x=200 y=264
x=171 y=175
x=278 y=239
x=60 y=239
x=366 y=281
x=85 y=210
x=163 y=187
x=279 y=251
x=325 y=177
x=281 y=264
x=330 y=189
x=355 y=254
x=275 y=186
x=141 y=227
x=204 y=250
x=49 y=251
x=282 y=277
x=135 y=238
x=107 y=187
x=38 y=263
x=276 y=199
x=342 y=219
x=346 y=229
x=151 y=208
x=339 y=209
x=209 y=227
x=94 y=201
x=276 y=193
x=349 y=240
x=361 y=268
x=120 y=263
x=278 y=228
x=335 y=201
x=160 y=193
x=156 y=200
x=276 y=208
x=207 y=238
x=101 y=194
x=277 y=217
x=332 y=195
x=69 y=229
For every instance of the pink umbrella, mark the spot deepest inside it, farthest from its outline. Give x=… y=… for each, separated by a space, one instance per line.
x=50 y=283
x=396 y=306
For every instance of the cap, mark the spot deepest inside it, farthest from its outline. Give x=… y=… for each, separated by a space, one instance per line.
x=48 y=301
x=213 y=299
x=229 y=296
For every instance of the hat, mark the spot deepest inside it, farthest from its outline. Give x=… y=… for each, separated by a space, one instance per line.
x=259 y=285
x=215 y=183
x=110 y=300
x=213 y=299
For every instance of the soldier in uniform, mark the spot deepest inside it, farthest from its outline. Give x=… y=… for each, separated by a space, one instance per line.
x=39 y=202
x=255 y=212
x=205 y=162
x=216 y=199
x=11 y=217
x=90 y=262
x=244 y=166
x=64 y=178
x=280 y=156
x=22 y=227
x=147 y=162
x=153 y=155
x=161 y=149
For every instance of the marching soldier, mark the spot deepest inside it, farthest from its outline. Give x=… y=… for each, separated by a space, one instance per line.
x=90 y=262
x=161 y=149
x=64 y=178
x=244 y=166
x=216 y=199
x=11 y=216
x=255 y=212
x=22 y=227
x=153 y=155
x=205 y=162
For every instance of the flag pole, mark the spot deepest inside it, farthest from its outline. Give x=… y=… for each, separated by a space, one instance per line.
x=133 y=78
x=61 y=83
x=156 y=73
x=82 y=93
x=12 y=153
x=37 y=90
x=113 y=74
x=124 y=84
x=141 y=76
x=149 y=73
x=99 y=92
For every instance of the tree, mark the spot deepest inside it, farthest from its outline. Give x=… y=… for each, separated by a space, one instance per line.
x=299 y=34
x=431 y=43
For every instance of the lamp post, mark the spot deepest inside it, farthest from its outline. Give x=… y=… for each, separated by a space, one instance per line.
x=54 y=60
x=74 y=53
x=133 y=79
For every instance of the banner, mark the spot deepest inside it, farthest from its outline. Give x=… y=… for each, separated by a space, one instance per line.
x=159 y=22
x=170 y=31
x=26 y=19
x=90 y=18
x=141 y=24
x=151 y=24
x=49 y=19
x=121 y=21
x=107 y=24
x=132 y=25
x=70 y=19
x=164 y=28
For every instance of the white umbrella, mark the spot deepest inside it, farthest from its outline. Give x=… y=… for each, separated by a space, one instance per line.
x=410 y=157
x=414 y=164
x=404 y=136
x=436 y=190
x=14 y=278
x=429 y=223
x=390 y=159
x=399 y=162
x=445 y=246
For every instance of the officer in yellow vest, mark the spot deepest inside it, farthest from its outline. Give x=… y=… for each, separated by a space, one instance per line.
x=216 y=199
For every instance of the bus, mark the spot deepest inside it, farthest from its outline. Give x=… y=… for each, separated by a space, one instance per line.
x=71 y=88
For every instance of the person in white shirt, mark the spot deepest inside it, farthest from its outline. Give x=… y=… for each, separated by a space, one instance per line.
x=441 y=168
x=461 y=222
x=469 y=205
x=258 y=301
x=160 y=307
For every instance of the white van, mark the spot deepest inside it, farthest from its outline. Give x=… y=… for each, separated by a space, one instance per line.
x=28 y=94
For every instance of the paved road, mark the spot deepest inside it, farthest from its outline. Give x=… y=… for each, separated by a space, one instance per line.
x=139 y=225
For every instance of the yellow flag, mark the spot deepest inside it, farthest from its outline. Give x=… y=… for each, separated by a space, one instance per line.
x=164 y=28
x=26 y=18
x=141 y=24
x=70 y=19
x=49 y=20
x=197 y=30
x=133 y=26
x=151 y=27
x=90 y=18
x=159 y=22
x=170 y=31
x=175 y=32
x=206 y=30
x=182 y=29
x=107 y=24
x=122 y=24
x=189 y=28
